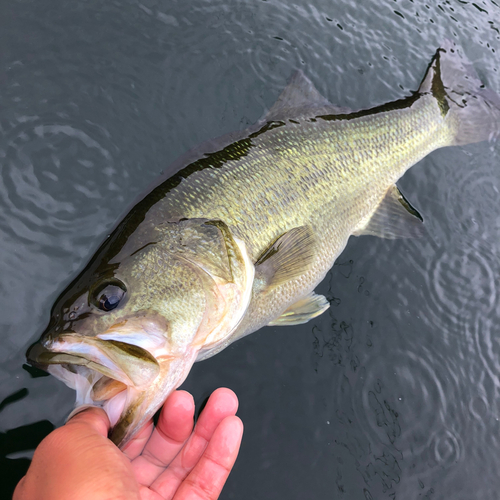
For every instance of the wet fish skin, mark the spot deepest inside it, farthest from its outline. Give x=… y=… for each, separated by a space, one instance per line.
x=244 y=230
x=185 y=286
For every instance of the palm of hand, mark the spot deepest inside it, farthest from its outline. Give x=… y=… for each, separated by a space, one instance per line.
x=168 y=462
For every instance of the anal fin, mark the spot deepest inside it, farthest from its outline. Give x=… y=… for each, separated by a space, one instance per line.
x=302 y=311
x=393 y=218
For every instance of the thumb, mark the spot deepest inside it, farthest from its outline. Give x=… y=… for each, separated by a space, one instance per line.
x=78 y=461
x=95 y=420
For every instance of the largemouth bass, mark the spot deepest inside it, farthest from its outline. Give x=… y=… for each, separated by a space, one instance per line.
x=242 y=233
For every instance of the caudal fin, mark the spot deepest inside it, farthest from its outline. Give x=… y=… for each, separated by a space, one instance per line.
x=471 y=111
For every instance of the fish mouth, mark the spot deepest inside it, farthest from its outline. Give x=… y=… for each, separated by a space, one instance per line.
x=127 y=370
x=124 y=362
x=40 y=357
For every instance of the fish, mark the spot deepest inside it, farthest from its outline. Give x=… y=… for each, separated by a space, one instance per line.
x=242 y=232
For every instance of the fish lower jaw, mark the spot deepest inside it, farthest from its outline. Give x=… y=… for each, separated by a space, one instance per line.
x=84 y=380
x=128 y=407
x=139 y=406
x=79 y=378
x=113 y=406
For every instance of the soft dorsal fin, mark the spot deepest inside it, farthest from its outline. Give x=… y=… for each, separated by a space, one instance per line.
x=302 y=311
x=393 y=218
x=289 y=257
x=298 y=94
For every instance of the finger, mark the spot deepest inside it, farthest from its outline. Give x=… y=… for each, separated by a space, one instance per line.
x=136 y=446
x=221 y=404
x=174 y=427
x=206 y=480
x=99 y=421
x=78 y=461
x=95 y=418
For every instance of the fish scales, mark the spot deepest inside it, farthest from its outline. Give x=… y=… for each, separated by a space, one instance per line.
x=243 y=231
x=351 y=163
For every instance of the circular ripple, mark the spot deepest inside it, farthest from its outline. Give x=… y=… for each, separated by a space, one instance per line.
x=402 y=401
x=472 y=195
x=447 y=448
x=460 y=283
x=478 y=407
x=278 y=38
x=484 y=349
x=48 y=182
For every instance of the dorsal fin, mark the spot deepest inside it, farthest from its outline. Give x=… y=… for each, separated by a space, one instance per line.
x=298 y=94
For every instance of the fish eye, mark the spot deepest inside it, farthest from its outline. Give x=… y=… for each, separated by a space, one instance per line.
x=107 y=296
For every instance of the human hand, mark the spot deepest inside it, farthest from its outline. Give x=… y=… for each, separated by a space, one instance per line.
x=78 y=461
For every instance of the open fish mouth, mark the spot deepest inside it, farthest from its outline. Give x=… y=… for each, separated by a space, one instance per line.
x=122 y=378
x=124 y=362
x=104 y=372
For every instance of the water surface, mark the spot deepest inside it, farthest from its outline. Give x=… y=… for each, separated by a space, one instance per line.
x=391 y=394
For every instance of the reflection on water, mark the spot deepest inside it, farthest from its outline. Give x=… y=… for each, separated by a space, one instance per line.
x=392 y=393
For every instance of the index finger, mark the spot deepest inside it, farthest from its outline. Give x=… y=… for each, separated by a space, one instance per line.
x=173 y=429
x=207 y=478
x=221 y=405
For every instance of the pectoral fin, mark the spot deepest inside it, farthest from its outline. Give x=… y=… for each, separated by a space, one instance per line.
x=393 y=218
x=302 y=311
x=290 y=256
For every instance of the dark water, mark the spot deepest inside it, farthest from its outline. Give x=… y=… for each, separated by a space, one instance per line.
x=393 y=393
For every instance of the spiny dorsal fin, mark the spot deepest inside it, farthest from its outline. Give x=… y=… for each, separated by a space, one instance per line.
x=301 y=93
x=289 y=257
x=393 y=218
x=302 y=311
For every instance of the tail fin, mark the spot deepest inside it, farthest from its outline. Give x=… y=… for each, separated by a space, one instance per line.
x=472 y=111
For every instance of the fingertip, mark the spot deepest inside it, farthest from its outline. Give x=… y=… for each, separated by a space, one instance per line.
x=224 y=400
x=239 y=423
x=234 y=427
x=181 y=400
x=94 y=417
x=225 y=443
x=213 y=467
x=179 y=403
x=177 y=416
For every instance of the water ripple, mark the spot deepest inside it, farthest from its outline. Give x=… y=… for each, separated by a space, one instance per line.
x=401 y=400
x=45 y=181
x=459 y=282
x=484 y=347
x=468 y=202
x=447 y=448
